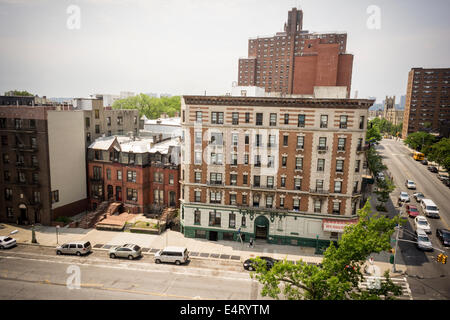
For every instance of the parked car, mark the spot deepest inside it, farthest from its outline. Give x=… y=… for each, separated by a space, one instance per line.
x=423 y=242
x=7 y=242
x=79 y=248
x=403 y=197
x=421 y=223
x=429 y=208
x=433 y=169
x=130 y=251
x=250 y=265
x=410 y=184
x=446 y=182
x=380 y=176
x=411 y=210
x=442 y=177
x=424 y=162
x=177 y=255
x=418 y=196
x=444 y=236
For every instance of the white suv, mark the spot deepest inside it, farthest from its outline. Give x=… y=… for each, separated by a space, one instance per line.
x=423 y=242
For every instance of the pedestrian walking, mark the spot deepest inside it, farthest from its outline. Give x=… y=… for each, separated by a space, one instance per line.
x=250 y=245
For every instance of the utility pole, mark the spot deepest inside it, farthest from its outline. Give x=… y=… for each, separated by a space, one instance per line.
x=396 y=238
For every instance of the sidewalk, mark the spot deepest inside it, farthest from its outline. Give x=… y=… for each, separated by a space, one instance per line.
x=198 y=248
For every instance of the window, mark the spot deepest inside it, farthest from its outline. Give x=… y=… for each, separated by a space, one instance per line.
x=355 y=187
x=357 y=165
x=88 y=137
x=131 y=158
x=135 y=120
x=234 y=139
x=2 y=122
x=259 y=119
x=317 y=206
x=97 y=114
x=247 y=117
x=18 y=123
x=233 y=199
x=216 y=138
x=216 y=158
x=120 y=120
x=283 y=161
x=319 y=185
x=132 y=194
x=217 y=117
x=269 y=202
x=9 y=212
x=88 y=122
x=215 y=178
x=282 y=202
x=108 y=121
x=270 y=182
x=233 y=179
x=336 y=208
x=4 y=140
x=286 y=118
x=320 y=165
x=361 y=122
x=298 y=163
x=283 y=182
x=214 y=219
x=271 y=141
x=97 y=128
x=273 y=119
x=270 y=161
x=343 y=122
x=235 y=118
x=97 y=173
x=339 y=165
x=8 y=194
x=297 y=183
x=337 y=186
x=32 y=123
x=258 y=140
x=197 y=217
x=198 y=116
x=119 y=175
x=296 y=204
x=215 y=197
x=301 y=121
x=198 y=158
x=131 y=176
x=256 y=181
x=55 y=194
x=341 y=144
x=198 y=177
x=108 y=174
x=324 y=121
x=171 y=179
x=256 y=200
x=257 y=160
x=246 y=158
x=300 y=142
x=158 y=177
x=360 y=142
x=247 y=138
x=245 y=179
x=158 y=197
x=198 y=196
x=198 y=138
x=6 y=175
x=243 y=220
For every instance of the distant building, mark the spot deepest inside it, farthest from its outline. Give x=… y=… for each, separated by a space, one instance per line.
x=295 y=61
x=162 y=129
x=140 y=173
x=390 y=113
x=427 y=101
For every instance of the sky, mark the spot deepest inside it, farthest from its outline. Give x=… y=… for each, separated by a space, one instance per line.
x=192 y=46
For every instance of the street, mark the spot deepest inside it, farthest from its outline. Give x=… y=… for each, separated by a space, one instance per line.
x=28 y=272
x=428 y=279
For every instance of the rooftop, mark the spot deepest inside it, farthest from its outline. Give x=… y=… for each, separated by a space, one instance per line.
x=134 y=145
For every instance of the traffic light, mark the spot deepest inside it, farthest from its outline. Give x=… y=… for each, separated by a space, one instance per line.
x=439 y=257
x=392 y=250
x=444 y=259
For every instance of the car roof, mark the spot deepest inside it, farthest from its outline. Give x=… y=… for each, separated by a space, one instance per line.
x=421 y=232
x=421 y=218
x=76 y=242
x=404 y=192
x=174 y=248
x=428 y=201
x=411 y=206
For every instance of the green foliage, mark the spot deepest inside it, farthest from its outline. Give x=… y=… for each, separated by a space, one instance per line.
x=23 y=93
x=340 y=273
x=385 y=187
x=440 y=153
x=374 y=161
x=151 y=107
x=373 y=133
x=420 y=141
x=385 y=127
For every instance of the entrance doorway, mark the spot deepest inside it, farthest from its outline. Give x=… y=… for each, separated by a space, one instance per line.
x=172 y=199
x=23 y=213
x=261 y=227
x=213 y=235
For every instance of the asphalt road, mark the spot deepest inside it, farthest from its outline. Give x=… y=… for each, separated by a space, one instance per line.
x=28 y=272
x=428 y=279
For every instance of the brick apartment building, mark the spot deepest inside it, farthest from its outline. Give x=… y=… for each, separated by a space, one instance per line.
x=42 y=164
x=289 y=170
x=136 y=171
x=427 y=101
x=296 y=61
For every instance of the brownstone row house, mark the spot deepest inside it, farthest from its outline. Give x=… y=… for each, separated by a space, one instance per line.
x=143 y=173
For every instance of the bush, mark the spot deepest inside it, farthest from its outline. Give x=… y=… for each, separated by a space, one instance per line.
x=65 y=220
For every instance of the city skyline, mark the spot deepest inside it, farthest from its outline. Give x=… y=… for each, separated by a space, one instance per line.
x=189 y=47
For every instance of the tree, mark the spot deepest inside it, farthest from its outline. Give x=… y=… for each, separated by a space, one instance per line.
x=374 y=161
x=373 y=133
x=440 y=153
x=23 y=93
x=339 y=275
x=151 y=107
x=420 y=141
x=385 y=187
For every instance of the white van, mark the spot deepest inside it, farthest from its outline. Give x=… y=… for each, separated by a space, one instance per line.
x=177 y=255
x=429 y=208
